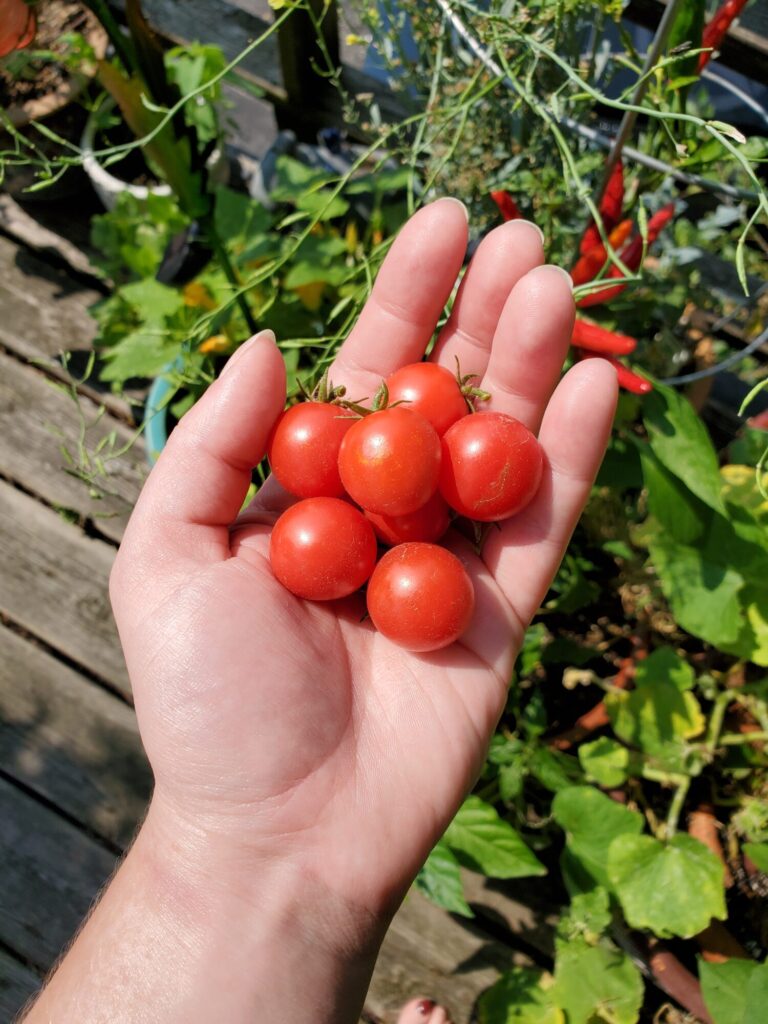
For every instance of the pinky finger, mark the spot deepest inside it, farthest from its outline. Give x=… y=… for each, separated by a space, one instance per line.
x=525 y=553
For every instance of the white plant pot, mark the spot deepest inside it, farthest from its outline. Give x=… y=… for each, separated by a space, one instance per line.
x=108 y=187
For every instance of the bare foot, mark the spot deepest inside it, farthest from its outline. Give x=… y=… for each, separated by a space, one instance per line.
x=423 y=1011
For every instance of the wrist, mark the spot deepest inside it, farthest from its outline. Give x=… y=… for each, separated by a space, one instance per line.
x=268 y=917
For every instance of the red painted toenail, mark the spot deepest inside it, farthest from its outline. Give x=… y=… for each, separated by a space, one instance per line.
x=426 y=1006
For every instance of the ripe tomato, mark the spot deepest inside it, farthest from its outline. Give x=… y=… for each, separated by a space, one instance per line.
x=427 y=523
x=303 y=449
x=491 y=466
x=322 y=548
x=420 y=597
x=389 y=461
x=431 y=390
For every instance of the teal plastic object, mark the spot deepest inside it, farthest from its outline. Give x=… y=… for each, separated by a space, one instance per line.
x=155 y=420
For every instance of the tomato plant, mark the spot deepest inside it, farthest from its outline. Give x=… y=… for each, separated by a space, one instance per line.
x=420 y=597
x=491 y=466
x=431 y=390
x=322 y=549
x=427 y=523
x=303 y=449
x=389 y=461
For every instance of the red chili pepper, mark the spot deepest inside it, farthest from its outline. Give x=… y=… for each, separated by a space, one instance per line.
x=611 y=203
x=716 y=29
x=17 y=26
x=630 y=256
x=627 y=379
x=508 y=208
x=589 y=265
x=591 y=336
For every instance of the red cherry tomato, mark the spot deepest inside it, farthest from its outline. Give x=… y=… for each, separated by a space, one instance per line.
x=389 y=461
x=491 y=466
x=420 y=597
x=431 y=390
x=322 y=549
x=303 y=449
x=427 y=523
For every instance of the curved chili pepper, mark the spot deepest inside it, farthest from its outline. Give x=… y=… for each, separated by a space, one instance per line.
x=17 y=26
x=630 y=255
x=611 y=203
x=508 y=208
x=591 y=336
x=627 y=379
x=716 y=29
x=589 y=265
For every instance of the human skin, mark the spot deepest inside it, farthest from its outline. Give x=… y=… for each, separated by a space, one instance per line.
x=304 y=766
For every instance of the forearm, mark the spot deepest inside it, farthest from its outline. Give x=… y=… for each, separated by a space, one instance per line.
x=191 y=932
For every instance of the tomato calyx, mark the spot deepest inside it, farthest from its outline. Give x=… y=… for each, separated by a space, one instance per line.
x=470 y=393
x=324 y=392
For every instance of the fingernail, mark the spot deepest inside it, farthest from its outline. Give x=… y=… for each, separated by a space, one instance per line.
x=426 y=1006
x=238 y=355
x=563 y=271
x=453 y=199
x=530 y=225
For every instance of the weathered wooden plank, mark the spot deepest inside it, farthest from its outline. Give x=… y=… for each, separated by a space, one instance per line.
x=45 y=312
x=18 y=222
x=54 y=584
x=429 y=953
x=17 y=984
x=523 y=907
x=36 y=419
x=51 y=874
x=70 y=741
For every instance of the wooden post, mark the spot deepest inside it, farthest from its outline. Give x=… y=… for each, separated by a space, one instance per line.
x=312 y=99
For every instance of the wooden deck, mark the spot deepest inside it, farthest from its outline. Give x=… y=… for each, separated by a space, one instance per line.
x=73 y=777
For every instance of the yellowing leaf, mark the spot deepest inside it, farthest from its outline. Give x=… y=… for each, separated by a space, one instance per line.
x=672 y=888
x=311 y=294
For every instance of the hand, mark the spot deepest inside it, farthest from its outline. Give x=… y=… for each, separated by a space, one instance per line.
x=294 y=730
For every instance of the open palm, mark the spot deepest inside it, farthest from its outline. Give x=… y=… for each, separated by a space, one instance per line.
x=295 y=726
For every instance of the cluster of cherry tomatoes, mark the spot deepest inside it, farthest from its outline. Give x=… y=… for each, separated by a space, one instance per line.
x=395 y=474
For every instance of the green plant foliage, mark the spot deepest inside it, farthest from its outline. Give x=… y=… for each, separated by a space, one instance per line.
x=660 y=715
x=680 y=441
x=597 y=982
x=520 y=996
x=672 y=888
x=440 y=880
x=591 y=822
x=605 y=762
x=485 y=842
x=735 y=992
x=758 y=854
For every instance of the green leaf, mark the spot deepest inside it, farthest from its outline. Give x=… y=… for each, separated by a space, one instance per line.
x=440 y=880
x=703 y=592
x=591 y=821
x=725 y=989
x=554 y=769
x=597 y=982
x=236 y=215
x=152 y=300
x=484 y=842
x=680 y=441
x=687 y=29
x=681 y=513
x=758 y=854
x=521 y=996
x=139 y=354
x=605 y=762
x=660 y=714
x=588 y=916
x=672 y=888
x=757 y=996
